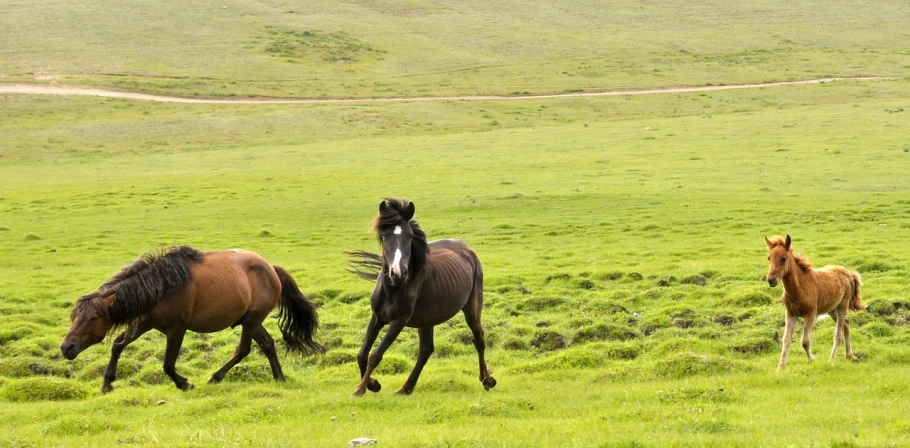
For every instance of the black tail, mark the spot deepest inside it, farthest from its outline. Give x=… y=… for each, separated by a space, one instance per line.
x=297 y=316
x=365 y=265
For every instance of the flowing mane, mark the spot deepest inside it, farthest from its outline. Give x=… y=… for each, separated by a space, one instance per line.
x=801 y=259
x=390 y=217
x=141 y=285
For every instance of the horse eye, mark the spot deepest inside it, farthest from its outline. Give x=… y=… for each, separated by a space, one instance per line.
x=783 y=260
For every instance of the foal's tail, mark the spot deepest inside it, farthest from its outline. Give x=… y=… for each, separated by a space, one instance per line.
x=297 y=316
x=365 y=265
x=856 y=303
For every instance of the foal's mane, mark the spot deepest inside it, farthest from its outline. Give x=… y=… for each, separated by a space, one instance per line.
x=140 y=285
x=801 y=259
x=390 y=217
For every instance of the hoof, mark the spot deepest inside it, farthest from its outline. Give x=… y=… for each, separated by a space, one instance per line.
x=106 y=388
x=404 y=391
x=781 y=367
x=358 y=392
x=489 y=383
x=185 y=387
x=374 y=385
x=281 y=379
x=213 y=380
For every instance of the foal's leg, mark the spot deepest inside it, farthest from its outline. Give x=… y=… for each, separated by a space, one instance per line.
x=472 y=317
x=243 y=349
x=789 y=325
x=174 y=341
x=131 y=334
x=267 y=344
x=375 y=358
x=362 y=357
x=423 y=354
x=808 y=321
x=849 y=349
x=838 y=315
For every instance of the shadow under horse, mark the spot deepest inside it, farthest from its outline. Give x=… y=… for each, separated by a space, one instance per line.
x=418 y=285
x=185 y=289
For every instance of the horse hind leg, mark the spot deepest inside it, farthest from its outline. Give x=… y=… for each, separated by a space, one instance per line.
x=847 y=347
x=472 y=317
x=838 y=316
x=243 y=349
x=423 y=354
x=267 y=344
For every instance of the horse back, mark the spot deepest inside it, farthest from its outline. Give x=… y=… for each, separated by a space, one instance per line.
x=229 y=286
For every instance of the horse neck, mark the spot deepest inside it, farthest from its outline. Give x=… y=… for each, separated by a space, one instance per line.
x=795 y=276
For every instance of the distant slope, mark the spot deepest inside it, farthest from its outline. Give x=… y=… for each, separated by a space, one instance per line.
x=422 y=48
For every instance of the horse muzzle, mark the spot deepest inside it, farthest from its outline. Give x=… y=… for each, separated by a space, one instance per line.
x=772 y=281
x=399 y=279
x=70 y=350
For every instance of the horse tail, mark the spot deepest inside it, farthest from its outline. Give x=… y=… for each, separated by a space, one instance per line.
x=297 y=316
x=856 y=303
x=365 y=265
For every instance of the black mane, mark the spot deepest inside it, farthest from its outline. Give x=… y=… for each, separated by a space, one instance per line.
x=390 y=217
x=141 y=285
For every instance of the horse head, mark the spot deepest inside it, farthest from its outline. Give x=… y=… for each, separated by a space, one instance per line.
x=404 y=244
x=779 y=254
x=91 y=319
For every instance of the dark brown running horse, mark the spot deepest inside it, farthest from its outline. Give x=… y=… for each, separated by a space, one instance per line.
x=418 y=285
x=185 y=289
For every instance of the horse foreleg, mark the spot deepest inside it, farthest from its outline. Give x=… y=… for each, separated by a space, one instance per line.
x=131 y=334
x=808 y=323
x=789 y=325
x=243 y=349
x=423 y=354
x=375 y=358
x=174 y=342
x=472 y=317
x=363 y=356
x=267 y=344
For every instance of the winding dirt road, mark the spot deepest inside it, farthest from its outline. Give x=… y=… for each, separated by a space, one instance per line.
x=40 y=89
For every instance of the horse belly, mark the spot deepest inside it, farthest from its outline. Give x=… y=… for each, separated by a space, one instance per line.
x=222 y=297
x=437 y=305
x=832 y=284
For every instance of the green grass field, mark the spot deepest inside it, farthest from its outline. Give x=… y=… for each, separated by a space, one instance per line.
x=621 y=237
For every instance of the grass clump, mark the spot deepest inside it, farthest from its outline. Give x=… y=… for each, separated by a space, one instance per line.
x=42 y=389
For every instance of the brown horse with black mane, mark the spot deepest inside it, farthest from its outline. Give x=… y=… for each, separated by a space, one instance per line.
x=418 y=285
x=810 y=292
x=185 y=289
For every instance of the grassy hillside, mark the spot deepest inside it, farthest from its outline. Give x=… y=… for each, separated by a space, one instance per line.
x=416 y=48
x=621 y=240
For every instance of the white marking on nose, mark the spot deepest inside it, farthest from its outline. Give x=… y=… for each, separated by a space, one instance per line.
x=397 y=230
x=396 y=269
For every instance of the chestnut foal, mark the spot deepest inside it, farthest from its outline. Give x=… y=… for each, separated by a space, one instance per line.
x=810 y=292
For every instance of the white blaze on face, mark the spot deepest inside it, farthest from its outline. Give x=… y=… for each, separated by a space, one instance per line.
x=396 y=268
x=397 y=230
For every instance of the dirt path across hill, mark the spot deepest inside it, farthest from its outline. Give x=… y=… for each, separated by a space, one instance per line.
x=41 y=89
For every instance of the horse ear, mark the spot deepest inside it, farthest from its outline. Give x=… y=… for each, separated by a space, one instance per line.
x=409 y=212
x=382 y=206
x=787 y=243
x=768 y=242
x=109 y=300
